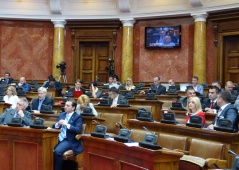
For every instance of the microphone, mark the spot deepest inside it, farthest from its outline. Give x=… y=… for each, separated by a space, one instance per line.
x=96 y=122
x=232 y=153
x=171 y=110
x=148 y=130
x=121 y=125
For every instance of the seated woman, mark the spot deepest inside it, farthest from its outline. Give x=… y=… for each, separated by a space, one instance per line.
x=129 y=84
x=11 y=96
x=194 y=108
x=84 y=101
x=96 y=92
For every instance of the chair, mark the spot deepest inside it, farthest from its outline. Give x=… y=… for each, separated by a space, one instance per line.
x=173 y=142
x=70 y=156
x=137 y=135
x=202 y=155
x=110 y=122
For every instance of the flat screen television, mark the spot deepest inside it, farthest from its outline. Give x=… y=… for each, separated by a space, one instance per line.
x=163 y=37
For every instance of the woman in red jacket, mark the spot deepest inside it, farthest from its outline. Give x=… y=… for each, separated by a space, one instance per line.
x=194 y=108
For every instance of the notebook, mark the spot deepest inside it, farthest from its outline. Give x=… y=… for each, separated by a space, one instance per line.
x=77 y=94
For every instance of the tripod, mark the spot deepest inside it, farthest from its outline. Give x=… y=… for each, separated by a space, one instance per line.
x=63 y=75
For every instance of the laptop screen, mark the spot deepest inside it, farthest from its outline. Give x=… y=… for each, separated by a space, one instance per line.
x=77 y=94
x=183 y=86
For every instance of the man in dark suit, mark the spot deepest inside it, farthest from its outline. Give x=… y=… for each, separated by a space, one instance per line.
x=18 y=112
x=229 y=87
x=115 y=97
x=156 y=86
x=54 y=84
x=70 y=124
x=42 y=99
x=173 y=85
x=190 y=92
x=78 y=87
x=6 y=79
x=210 y=103
x=226 y=111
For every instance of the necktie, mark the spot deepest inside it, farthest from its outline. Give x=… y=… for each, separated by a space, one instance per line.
x=16 y=114
x=212 y=105
x=62 y=135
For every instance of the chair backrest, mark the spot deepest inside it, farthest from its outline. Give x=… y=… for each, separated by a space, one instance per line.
x=110 y=121
x=206 y=149
x=137 y=135
x=173 y=142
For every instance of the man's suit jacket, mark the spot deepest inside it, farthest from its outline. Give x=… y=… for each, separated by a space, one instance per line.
x=200 y=89
x=10 y=81
x=230 y=113
x=8 y=114
x=73 y=89
x=75 y=128
x=183 y=101
x=121 y=97
x=47 y=101
x=161 y=89
x=56 y=84
x=207 y=103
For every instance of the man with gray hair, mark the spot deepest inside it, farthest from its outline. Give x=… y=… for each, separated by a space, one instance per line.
x=18 y=112
x=42 y=99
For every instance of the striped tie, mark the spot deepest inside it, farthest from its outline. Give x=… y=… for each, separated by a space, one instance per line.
x=62 y=135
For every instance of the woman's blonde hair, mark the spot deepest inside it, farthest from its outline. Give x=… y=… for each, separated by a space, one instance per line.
x=13 y=89
x=197 y=102
x=130 y=80
x=83 y=100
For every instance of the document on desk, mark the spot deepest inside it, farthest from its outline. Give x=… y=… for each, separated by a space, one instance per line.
x=132 y=144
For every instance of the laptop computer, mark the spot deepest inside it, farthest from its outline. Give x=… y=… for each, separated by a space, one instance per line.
x=77 y=94
x=177 y=106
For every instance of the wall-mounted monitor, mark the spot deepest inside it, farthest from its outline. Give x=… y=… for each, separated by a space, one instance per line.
x=163 y=37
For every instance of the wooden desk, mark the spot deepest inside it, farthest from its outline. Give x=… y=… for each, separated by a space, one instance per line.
x=231 y=140
x=154 y=106
x=90 y=127
x=4 y=106
x=181 y=116
x=114 y=155
x=24 y=148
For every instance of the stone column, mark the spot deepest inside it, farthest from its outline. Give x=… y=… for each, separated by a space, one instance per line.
x=127 y=49
x=58 y=46
x=199 y=52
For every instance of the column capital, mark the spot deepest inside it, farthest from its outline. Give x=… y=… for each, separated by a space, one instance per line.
x=59 y=23
x=199 y=17
x=128 y=22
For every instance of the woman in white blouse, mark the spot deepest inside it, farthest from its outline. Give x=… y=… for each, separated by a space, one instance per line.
x=11 y=96
x=82 y=102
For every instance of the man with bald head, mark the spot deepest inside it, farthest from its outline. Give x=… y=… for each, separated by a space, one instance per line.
x=24 y=85
x=229 y=87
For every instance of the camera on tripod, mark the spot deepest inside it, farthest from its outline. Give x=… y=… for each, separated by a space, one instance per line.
x=61 y=66
x=111 y=68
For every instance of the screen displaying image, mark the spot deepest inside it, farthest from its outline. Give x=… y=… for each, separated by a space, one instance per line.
x=163 y=37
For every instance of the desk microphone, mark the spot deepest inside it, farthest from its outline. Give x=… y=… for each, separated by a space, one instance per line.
x=232 y=153
x=121 y=125
x=148 y=130
x=96 y=122
x=171 y=110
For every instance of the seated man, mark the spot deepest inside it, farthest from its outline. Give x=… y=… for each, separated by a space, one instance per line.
x=54 y=84
x=111 y=82
x=78 y=87
x=218 y=84
x=210 y=103
x=70 y=124
x=226 y=111
x=6 y=79
x=190 y=92
x=197 y=87
x=42 y=99
x=156 y=86
x=116 y=80
x=229 y=87
x=18 y=112
x=172 y=84
x=115 y=97
x=24 y=85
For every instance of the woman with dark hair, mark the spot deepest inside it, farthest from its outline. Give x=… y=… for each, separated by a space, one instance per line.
x=96 y=92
